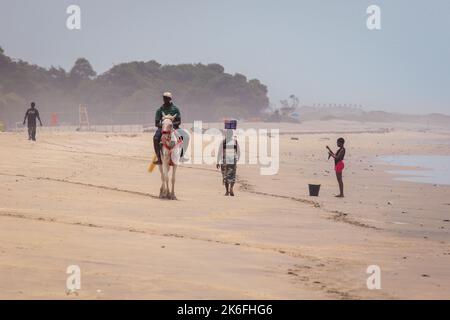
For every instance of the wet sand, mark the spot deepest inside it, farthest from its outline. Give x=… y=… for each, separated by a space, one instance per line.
x=77 y=198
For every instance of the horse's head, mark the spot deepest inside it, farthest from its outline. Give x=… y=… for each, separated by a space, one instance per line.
x=167 y=123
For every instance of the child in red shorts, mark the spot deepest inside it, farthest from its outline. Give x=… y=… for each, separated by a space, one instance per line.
x=339 y=164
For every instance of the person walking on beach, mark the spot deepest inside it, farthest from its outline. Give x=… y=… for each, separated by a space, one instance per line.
x=339 y=164
x=30 y=116
x=227 y=158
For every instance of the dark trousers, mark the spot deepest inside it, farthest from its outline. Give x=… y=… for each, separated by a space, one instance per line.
x=32 y=131
x=157 y=143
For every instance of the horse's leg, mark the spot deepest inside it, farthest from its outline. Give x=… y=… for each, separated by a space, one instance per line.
x=166 y=179
x=161 y=190
x=164 y=173
x=174 y=170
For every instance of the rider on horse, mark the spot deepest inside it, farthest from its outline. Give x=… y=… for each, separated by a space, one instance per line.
x=168 y=108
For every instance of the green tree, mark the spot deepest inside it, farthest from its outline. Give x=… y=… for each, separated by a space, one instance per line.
x=82 y=70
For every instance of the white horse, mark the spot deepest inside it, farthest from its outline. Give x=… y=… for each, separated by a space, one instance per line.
x=170 y=156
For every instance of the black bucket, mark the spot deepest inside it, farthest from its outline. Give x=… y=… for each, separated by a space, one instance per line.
x=314 y=190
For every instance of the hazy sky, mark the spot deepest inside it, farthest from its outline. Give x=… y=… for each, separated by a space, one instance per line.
x=319 y=50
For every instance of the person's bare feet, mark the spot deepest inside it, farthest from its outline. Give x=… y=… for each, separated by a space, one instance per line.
x=232 y=193
x=339 y=196
x=227 y=193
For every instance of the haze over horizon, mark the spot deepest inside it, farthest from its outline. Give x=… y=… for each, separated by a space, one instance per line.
x=320 y=51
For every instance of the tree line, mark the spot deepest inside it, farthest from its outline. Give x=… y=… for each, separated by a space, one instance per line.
x=203 y=91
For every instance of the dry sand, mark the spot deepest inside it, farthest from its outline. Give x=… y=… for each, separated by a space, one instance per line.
x=86 y=199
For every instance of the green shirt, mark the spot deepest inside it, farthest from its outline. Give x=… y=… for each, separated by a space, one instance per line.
x=172 y=110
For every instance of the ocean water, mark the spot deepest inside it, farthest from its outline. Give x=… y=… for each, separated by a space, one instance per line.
x=432 y=169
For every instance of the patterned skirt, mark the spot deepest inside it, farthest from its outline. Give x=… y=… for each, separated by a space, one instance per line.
x=228 y=173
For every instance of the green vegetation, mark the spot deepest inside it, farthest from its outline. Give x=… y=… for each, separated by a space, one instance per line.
x=204 y=92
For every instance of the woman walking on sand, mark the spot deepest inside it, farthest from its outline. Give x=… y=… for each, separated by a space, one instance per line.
x=339 y=164
x=227 y=159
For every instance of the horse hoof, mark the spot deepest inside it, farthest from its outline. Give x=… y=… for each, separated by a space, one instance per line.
x=173 y=197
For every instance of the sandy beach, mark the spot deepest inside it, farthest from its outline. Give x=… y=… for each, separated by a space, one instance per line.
x=86 y=199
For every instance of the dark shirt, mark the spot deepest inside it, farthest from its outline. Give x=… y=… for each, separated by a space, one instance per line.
x=340 y=154
x=31 y=116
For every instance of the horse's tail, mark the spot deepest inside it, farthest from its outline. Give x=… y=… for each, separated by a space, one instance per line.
x=152 y=165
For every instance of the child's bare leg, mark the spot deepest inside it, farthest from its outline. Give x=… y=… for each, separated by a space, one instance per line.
x=231 y=189
x=341 y=184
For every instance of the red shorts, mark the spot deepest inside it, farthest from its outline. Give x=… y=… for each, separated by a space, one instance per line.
x=339 y=167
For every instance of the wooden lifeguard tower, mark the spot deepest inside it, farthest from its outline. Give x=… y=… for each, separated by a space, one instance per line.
x=83 y=118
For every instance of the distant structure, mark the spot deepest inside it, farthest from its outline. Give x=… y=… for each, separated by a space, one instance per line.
x=83 y=118
x=337 y=105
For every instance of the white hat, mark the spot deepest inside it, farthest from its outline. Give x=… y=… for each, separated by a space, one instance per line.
x=167 y=94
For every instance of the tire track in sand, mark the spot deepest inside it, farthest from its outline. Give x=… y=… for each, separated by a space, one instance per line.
x=337 y=216
x=139 y=193
x=245 y=186
x=307 y=278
